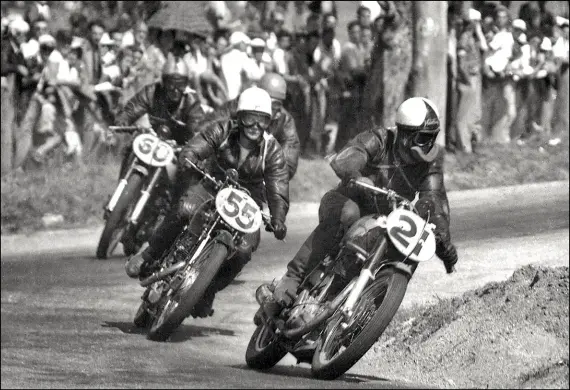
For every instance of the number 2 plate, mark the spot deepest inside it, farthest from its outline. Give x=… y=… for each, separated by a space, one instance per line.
x=407 y=232
x=238 y=210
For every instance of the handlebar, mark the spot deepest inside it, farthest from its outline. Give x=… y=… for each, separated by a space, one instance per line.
x=124 y=129
x=390 y=194
x=265 y=216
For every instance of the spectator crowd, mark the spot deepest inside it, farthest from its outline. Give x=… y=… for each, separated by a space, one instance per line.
x=508 y=77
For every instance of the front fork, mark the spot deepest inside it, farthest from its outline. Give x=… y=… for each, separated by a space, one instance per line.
x=145 y=193
x=366 y=275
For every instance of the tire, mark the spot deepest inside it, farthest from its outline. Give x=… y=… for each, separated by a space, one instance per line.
x=116 y=217
x=263 y=357
x=395 y=284
x=142 y=317
x=206 y=266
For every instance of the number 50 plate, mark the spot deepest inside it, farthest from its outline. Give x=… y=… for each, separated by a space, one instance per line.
x=411 y=235
x=238 y=210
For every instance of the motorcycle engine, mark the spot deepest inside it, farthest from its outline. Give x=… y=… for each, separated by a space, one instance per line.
x=304 y=310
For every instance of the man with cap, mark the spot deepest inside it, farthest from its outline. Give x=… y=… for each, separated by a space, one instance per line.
x=237 y=65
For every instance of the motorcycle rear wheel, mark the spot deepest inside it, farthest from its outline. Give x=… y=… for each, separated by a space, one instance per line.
x=115 y=224
x=180 y=304
x=372 y=314
x=263 y=350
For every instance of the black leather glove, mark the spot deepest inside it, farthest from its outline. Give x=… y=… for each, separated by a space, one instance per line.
x=279 y=229
x=447 y=252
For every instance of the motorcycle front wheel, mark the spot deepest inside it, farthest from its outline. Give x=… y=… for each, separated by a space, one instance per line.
x=339 y=348
x=264 y=350
x=178 y=306
x=116 y=224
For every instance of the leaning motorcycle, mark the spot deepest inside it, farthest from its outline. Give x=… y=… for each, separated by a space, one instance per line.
x=141 y=199
x=344 y=305
x=210 y=238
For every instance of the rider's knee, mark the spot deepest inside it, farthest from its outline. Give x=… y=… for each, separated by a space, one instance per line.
x=350 y=213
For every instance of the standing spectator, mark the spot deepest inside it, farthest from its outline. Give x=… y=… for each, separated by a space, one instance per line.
x=280 y=54
x=367 y=42
x=38 y=10
x=352 y=76
x=276 y=26
x=12 y=70
x=560 y=54
x=78 y=23
x=468 y=117
x=236 y=64
x=363 y=16
x=91 y=51
x=500 y=105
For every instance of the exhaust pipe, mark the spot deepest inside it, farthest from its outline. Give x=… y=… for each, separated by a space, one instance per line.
x=162 y=274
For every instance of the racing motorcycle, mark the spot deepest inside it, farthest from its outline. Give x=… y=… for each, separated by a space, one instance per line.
x=181 y=276
x=344 y=305
x=141 y=199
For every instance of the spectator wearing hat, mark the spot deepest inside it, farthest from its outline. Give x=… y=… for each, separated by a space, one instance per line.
x=236 y=65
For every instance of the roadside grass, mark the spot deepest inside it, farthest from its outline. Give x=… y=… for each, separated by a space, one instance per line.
x=78 y=193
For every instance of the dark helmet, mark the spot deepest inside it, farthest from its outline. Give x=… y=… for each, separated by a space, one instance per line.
x=175 y=78
x=175 y=67
x=274 y=84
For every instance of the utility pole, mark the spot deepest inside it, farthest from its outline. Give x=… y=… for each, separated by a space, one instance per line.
x=429 y=69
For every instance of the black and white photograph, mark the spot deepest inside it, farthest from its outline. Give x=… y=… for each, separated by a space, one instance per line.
x=285 y=194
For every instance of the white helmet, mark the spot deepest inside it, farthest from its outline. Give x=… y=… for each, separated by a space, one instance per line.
x=254 y=99
x=417 y=114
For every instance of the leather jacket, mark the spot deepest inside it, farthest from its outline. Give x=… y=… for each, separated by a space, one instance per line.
x=264 y=171
x=152 y=100
x=282 y=127
x=373 y=154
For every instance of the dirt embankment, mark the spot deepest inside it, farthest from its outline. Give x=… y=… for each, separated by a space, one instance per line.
x=512 y=334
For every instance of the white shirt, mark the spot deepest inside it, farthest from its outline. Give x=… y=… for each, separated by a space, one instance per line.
x=374 y=7
x=560 y=48
x=279 y=61
x=502 y=46
x=63 y=71
x=236 y=64
x=197 y=64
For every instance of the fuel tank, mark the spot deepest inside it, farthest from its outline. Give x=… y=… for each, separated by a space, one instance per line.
x=366 y=231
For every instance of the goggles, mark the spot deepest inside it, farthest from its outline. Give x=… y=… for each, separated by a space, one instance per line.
x=249 y=119
x=421 y=139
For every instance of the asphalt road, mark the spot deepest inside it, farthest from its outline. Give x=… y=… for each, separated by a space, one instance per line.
x=66 y=318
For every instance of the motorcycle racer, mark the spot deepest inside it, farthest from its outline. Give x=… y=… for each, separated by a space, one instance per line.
x=405 y=159
x=282 y=125
x=257 y=156
x=170 y=99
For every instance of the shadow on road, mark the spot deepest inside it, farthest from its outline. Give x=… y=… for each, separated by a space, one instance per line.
x=183 y=333
x=303 y=372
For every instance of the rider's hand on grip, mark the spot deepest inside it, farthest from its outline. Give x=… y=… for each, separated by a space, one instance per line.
x=279 y=229
x=184 y=155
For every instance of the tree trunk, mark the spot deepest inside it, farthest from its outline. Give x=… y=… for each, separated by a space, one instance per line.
x=385 y=89
x=8 y=119
x=429 y=74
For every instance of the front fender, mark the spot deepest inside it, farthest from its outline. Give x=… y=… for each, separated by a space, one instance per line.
x=225 y=238
x=406 y=269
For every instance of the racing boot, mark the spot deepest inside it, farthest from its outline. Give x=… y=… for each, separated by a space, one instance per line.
x=138 y=265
